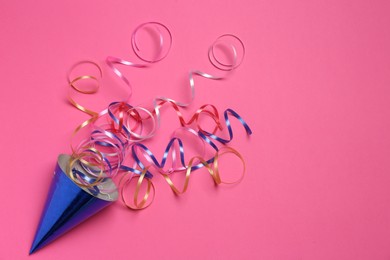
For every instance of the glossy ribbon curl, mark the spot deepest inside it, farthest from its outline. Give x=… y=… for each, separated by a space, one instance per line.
x=121 y=128
x=137 y=205
x=213 y=169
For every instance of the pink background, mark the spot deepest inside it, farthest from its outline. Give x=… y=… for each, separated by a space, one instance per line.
x=314 y=87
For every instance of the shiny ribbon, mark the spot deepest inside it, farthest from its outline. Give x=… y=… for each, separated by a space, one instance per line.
x=101 y=155
x=213 y=170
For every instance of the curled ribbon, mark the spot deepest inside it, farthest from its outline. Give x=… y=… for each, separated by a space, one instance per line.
x=101 y=155
x=213 y=170
x=111 y=61
x=137 y=205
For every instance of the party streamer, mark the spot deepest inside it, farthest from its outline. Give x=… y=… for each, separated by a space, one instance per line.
x=117 y=134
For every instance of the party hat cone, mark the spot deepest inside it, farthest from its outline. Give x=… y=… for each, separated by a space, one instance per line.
x=68 y=205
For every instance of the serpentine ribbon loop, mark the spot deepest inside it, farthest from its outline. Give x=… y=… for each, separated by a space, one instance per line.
x=120 y=129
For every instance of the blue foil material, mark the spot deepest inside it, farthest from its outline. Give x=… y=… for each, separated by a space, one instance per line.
x=67 y=205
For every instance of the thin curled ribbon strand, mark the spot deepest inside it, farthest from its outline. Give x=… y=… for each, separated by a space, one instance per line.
x=72 y=84
x=213 y=170
x=111 y=61
x=149 y=156
x=228 y=111
x=137 y=205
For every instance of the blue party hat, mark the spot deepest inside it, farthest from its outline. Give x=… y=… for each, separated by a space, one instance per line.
x=68 y=205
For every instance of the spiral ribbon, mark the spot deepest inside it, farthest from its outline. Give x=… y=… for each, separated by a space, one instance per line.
x=120 y=129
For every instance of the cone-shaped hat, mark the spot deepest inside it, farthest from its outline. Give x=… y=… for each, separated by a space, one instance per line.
x=67 y=205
